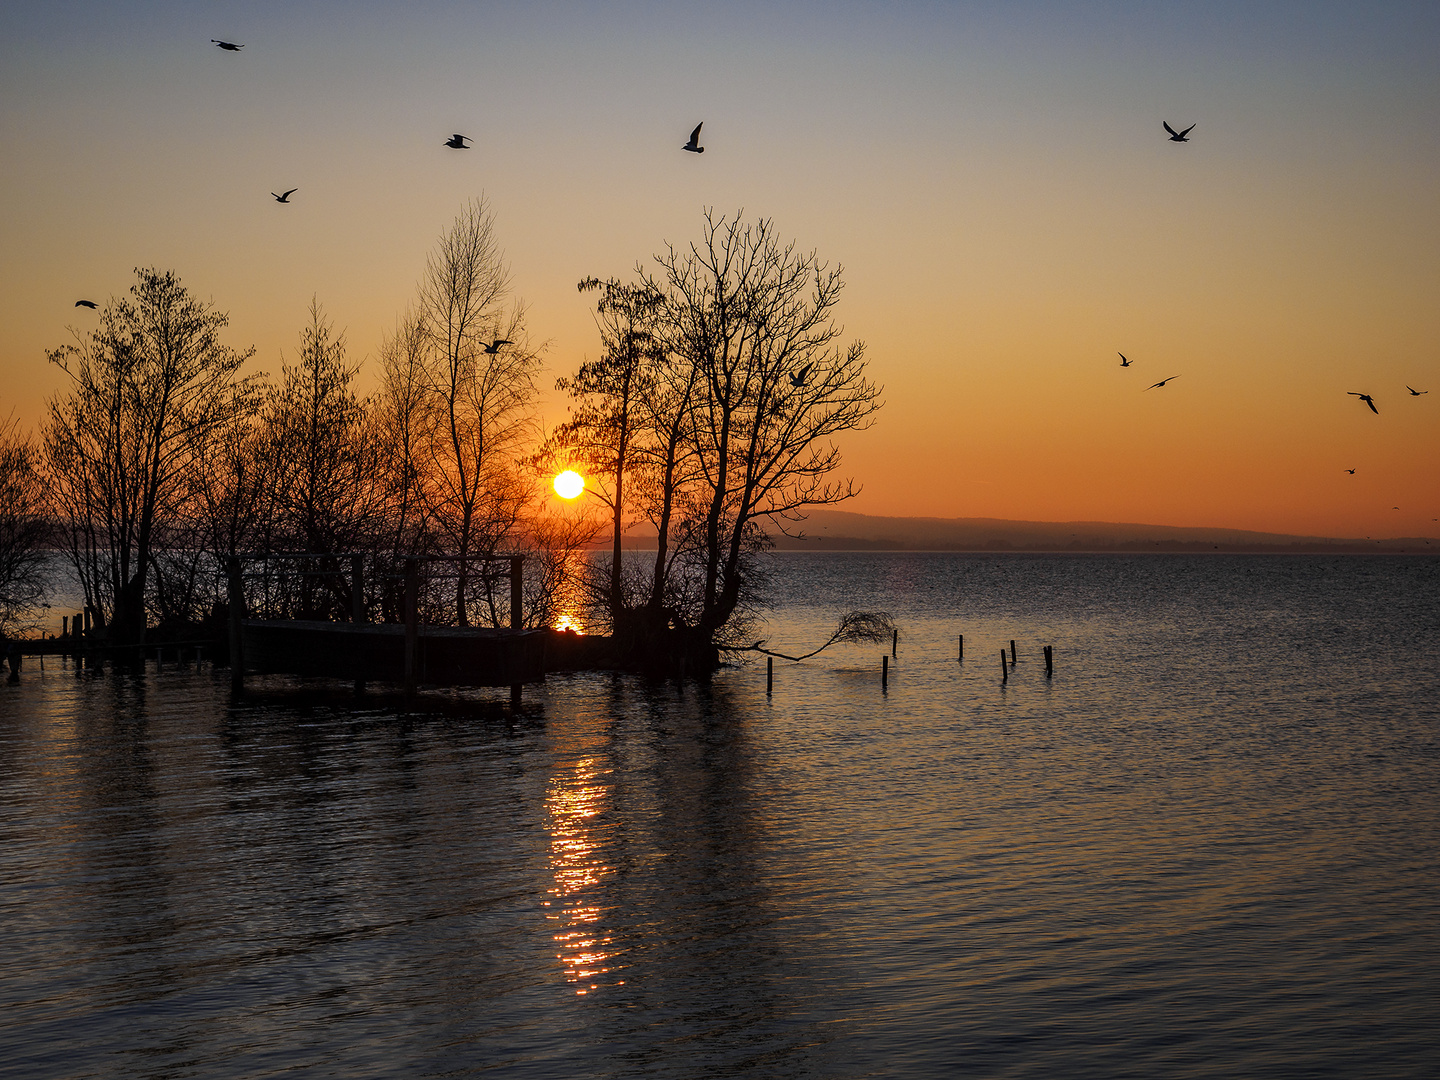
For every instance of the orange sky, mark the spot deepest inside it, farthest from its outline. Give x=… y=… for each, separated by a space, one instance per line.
x=999 y=189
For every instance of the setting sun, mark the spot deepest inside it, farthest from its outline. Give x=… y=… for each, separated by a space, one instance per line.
x=569 y=484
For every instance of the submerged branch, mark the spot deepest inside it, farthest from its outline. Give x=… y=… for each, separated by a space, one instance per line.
x=857 y=626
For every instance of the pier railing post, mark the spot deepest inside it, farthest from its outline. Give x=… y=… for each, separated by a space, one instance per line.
x=412 y=622
x=236 y=596
x=517 y=591
x=517 y=613
x=357 y=614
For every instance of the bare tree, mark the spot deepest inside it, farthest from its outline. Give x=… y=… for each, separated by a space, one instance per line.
x=725 y=426
x=603 y=435
x=148 y=393
x=755 y=319
x=478 y=390
x=24 y=531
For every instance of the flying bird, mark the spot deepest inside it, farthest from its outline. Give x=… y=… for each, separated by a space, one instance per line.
x=494 y=346
x=1162 y=382
x=228 y=46
x=1367 y=399
x=797 y=378
x=85 y=303
x=694 y=144
x=1416 y=393
x=458 y=142
x=1350 y=471
x=1178 y=136
x=286 y=197
x=1123 y=361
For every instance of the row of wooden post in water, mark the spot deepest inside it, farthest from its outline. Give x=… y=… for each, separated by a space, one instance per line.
x=1005 y=664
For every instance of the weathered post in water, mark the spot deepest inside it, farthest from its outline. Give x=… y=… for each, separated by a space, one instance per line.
x=1049 y=662
x=894 y=640
x=412 y=621
x=237 y=612
x=962 y=648
x=769 y=675
x=1012 y=652
x=357 y=615
x=884 y=673
x=1004 y=669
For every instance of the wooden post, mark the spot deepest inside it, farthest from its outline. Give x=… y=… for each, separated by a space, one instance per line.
x=517 y=591
x=894 y=640
x=1049 y=661
x=237 y=612
x=412 y=622
x=357 y=616
x=769 y=675
x=962 y=648
x=1012 y=652
x=1004 y=669
x=517 y=611
x=64 y=625
x=884 y=673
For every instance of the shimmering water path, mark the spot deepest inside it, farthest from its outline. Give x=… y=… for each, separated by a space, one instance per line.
x=1209 y=846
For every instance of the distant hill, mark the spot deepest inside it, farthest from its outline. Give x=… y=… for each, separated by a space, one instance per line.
x=839 y=530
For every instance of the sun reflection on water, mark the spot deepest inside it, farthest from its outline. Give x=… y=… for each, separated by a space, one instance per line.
x=573 y=804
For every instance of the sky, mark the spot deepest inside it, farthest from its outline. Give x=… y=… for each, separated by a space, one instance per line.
x=997 y=186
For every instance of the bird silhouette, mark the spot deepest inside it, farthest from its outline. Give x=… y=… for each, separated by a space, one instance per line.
x=694 y=144
x=1367 y=399
x=1178 y=136
x=1350 y=471
x=1416 y=393
x=1123 y=361
x=85 y=303
x=286 y=197
x=797 y=378
x=458 y=142
x=1162 y=382
x=494 y=346
x=228 y=46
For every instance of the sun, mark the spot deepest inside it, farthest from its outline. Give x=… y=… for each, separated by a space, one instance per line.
x=569 y=484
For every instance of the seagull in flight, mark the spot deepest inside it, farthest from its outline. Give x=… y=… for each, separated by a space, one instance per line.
x=797 y=378
x=1367 y=399
x=1350 y=471
x=1178 y=136
x=457 y=142
x=228 y=46
x=694 y=144
x=1414 y=392
x=85 y=303
x=286 y=197
x=1162 y=382
x=494 y=346
x=1123 y=361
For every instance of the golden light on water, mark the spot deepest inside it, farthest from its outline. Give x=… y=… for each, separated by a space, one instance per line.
x=572 y=805
x=569 y=484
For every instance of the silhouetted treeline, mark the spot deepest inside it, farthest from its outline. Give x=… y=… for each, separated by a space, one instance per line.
x=711 y=410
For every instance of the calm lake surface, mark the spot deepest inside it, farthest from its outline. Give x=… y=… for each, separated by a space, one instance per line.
x=1208 y=846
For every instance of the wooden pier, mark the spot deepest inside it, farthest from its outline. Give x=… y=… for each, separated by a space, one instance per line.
x=409 y=653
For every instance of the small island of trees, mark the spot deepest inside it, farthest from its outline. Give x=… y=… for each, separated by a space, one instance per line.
x=708 y=421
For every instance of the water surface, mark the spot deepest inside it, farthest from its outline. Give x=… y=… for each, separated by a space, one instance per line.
x=1208 y=846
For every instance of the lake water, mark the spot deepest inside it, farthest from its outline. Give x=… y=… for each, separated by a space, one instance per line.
x=1208 y=846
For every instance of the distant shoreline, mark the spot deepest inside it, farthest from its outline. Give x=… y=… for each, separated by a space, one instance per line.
x=827 y=529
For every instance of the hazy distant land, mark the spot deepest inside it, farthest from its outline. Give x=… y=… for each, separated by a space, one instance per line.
x=839 y=530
